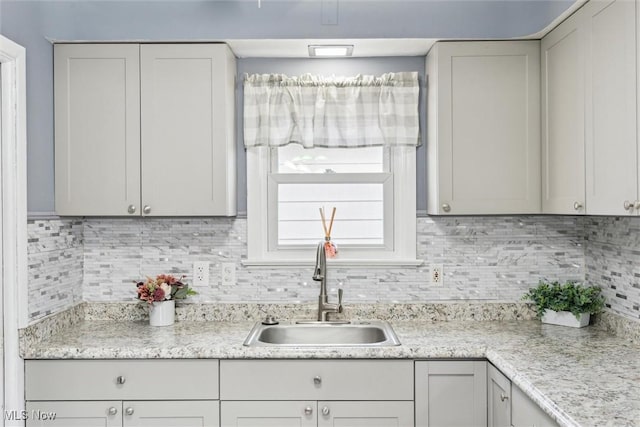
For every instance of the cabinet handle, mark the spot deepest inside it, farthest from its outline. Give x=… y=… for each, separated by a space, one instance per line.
x=577 y=206
x=446 y=207
x=113 y=410
x=503 y=397
x=636 y=204
x=129 y=411
x=317 y=380
x=121 y=380
x=146 y=210
x=308 y=410
x=325 y=410
x=131 y=209
x=628 y=205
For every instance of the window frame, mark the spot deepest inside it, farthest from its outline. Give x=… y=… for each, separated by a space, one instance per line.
x=262 y=207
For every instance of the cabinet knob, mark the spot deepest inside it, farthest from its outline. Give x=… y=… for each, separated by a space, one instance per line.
x=129 y=411
x=577 y=206
x=113 y=410
x=131 y=209
x=325 y=410
x=317 y=380
x=446 y=207
x=636 y=204
x=121 y=380
x=503 y=397
x=308 y=410
x=628 y=205
x=146 y=210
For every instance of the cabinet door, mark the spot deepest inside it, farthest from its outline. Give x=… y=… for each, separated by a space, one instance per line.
x=268 y=414
x=74 y=414
x=563 y=167
x=525 y=413
x=499 y=398
x=184 y=413
x=188 y=140
x=486 y=144
x=97 y=129
x=611 y=148
x=451 y=393
x=369 y=414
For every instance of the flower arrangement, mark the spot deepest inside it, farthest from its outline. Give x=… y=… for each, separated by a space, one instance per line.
x=163 y=288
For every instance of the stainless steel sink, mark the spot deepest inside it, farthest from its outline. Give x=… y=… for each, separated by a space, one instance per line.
x=372 y=333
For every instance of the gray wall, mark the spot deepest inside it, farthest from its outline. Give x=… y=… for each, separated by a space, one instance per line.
x=30 y=23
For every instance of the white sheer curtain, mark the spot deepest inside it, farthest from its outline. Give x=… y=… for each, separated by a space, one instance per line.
x=331 y=112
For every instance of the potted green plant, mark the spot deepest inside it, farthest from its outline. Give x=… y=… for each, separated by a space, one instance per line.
x=565 y=304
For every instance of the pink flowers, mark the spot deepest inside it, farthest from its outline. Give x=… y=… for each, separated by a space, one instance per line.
x=164 y=287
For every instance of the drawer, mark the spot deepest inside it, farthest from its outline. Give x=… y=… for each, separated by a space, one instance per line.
x=316 y=380
x=140 y=379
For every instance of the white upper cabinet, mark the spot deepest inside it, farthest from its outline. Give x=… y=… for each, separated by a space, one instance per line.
x=589 y=93
x=97 y=129
x=188 y=138
x=563 y=176
x=610 y=115
x=483 y=124
x=145 y=130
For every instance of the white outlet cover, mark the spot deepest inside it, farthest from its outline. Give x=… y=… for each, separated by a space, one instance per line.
x=200 y=273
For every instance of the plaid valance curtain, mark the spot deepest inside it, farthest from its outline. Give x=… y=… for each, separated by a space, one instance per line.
x=331 y=112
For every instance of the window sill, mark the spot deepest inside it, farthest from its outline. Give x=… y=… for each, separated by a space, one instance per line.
x=373 y=263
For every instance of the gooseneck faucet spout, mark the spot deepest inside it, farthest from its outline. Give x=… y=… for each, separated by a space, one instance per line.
x=320 y=275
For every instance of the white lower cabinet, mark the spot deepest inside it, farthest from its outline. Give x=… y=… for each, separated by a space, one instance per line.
x=121 y=393
x=498 y=398
x=319 y=393
x=525 y=413
x=451 y=393
x=316 y=413
x=203 y=413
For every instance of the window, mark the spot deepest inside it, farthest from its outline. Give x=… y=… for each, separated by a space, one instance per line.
x=373 y=189
x=359 y=136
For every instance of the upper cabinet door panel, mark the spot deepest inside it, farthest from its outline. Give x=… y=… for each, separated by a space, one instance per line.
x=563 y=174
x=186 y=138
x=611 y=147
x=488 y=136
x=97 y=129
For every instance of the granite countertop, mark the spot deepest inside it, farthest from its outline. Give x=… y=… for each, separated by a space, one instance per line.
x=580 y=377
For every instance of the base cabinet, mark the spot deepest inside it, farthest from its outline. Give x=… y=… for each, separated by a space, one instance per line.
x=451 y=393
x=525 y=413
x=202 y=413
x=316 y=413
x=498 y=398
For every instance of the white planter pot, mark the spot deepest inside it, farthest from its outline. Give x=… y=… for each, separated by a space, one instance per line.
x=162 y=313
x=565 y=318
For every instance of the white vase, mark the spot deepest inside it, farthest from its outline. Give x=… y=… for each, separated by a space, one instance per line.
x=565 y=318
x=162 y=313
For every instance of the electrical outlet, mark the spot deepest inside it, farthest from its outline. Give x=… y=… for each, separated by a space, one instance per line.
x=200 y=273
x=228 y=273
x=436 y=274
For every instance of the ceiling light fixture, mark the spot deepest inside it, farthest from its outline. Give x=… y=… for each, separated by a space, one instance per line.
x=330 y=51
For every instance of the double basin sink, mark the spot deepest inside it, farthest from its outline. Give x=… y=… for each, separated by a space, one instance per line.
x=374 y=333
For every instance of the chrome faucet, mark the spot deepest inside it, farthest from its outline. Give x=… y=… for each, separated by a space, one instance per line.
x=320 y=275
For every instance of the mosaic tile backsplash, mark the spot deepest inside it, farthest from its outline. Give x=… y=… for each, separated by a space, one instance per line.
x=485 y=258
x=55 y=265
x=613 y=261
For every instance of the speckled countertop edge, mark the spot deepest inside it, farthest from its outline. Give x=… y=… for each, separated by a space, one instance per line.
x=421 y=329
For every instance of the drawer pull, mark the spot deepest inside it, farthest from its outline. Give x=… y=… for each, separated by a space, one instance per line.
x=308 y=410
x=317 y=380
x=325 y=410
x=503 y=397
x=113 y=410
x=129 y=411
x=121 y=380
x=446 y=207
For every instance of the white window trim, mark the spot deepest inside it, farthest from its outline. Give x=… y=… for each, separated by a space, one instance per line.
x=402 y=252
